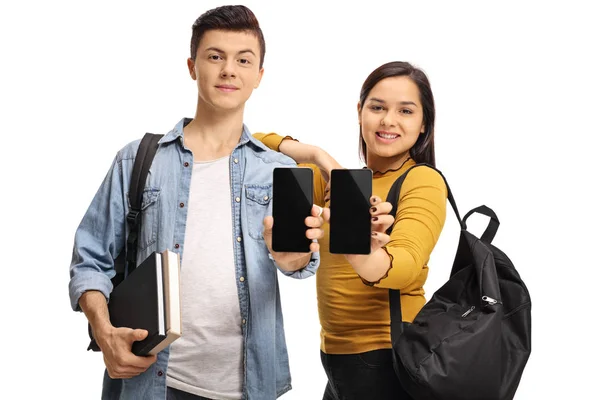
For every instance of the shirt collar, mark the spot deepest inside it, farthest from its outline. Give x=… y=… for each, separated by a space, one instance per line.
x=177 y=133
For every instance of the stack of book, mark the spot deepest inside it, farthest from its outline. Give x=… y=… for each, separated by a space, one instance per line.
x=149 y=299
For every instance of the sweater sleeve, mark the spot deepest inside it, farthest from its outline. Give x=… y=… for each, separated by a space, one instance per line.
x=271 y=140
x=419 y=221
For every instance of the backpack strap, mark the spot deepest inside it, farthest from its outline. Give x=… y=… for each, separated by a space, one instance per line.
x=394 y=193
x=126 y=260
x=490 y=231
x=392 y=197
x=141 y=167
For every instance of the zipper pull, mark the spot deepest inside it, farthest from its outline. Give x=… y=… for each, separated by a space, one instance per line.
x=468 y=311
x=490 y=301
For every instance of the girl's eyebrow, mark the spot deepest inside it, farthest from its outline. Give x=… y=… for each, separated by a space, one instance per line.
x=404 y=103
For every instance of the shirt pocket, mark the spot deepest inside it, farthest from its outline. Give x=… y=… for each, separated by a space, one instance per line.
x=258 y=198
x=149 y=222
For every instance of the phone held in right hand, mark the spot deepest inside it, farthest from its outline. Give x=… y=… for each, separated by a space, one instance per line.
x=350 y=222
x=292 y=203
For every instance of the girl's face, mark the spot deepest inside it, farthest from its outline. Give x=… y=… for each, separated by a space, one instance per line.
x=391 y=120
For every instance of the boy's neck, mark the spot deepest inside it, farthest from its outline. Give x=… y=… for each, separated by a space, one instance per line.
x=213 y=134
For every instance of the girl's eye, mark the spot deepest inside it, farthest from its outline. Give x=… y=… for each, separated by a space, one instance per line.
x=376 y=108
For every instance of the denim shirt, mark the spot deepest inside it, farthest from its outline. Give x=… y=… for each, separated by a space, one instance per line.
x=101 y=236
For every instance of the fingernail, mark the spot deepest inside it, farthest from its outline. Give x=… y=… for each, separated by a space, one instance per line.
x=373 y=209
x=373 y=200
x=374 y=218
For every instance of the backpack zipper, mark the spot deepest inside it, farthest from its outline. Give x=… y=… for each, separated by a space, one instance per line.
x=490 y=301
x=468 y=311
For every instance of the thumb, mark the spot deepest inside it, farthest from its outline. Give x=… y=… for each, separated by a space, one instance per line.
x=268 y=225
x=268 y=229
x=379 y=239
x=138 y=334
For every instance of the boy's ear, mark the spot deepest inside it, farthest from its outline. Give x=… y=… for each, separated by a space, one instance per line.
x=192 y=68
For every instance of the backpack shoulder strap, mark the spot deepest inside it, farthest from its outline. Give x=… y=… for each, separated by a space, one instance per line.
x=394 y=193
x=143 y=161
x=127 y=257
x=394 y=295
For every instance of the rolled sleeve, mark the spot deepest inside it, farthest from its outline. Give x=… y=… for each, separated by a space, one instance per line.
x=99 y=239
x=85 y=281
x=306 y=272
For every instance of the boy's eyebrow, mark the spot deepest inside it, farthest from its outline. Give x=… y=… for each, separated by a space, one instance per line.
x=247 y=51
x=216 y=49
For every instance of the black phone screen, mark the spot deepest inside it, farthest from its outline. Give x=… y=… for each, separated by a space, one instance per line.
x=350 y=223
x=292 y=203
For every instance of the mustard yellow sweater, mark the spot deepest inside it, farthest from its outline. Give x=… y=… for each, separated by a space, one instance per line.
x=355 y=316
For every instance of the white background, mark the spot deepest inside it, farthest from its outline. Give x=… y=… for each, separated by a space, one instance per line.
x=516 y=87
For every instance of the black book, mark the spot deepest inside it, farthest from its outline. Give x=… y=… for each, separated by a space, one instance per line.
x=149 y=299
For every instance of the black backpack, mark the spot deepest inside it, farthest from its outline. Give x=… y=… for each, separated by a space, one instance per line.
x=126 y=261
x=473 y=337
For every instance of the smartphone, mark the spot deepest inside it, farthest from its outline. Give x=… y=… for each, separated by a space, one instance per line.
x=292 y=203
x=350 y=222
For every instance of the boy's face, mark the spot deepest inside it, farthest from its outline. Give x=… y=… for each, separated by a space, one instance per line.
x=226 y=68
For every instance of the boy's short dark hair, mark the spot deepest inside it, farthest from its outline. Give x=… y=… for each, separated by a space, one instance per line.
x=227 y=18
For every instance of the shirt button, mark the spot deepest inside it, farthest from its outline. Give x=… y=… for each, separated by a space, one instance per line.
x=186 y=164
x=239 y=239
x=242 y=279
x=176 y=245
x=181 y=205
x=235 y=160
x=266 y=198
x=237 y=199
x=244 y=321
x=160 y=373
